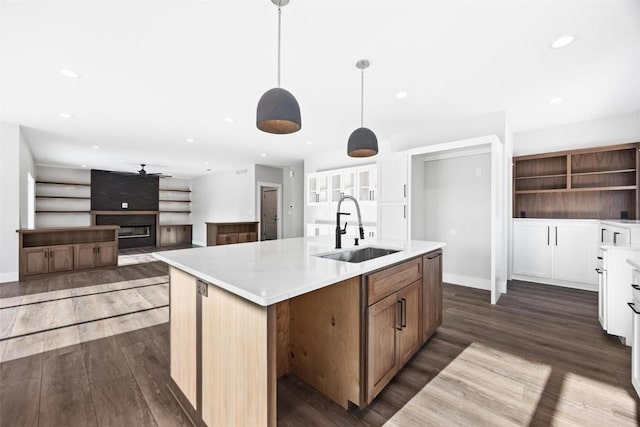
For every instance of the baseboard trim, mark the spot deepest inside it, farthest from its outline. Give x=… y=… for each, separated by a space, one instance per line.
x=468 y=281
x=8 y=277
x=560 y=283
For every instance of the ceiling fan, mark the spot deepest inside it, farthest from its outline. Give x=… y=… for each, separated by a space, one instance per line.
x=143 y=172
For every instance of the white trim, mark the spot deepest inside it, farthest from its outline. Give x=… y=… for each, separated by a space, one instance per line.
x=561 y=283
x=454 y=154
x=454 y=145
x=9 y=277
x=468 y=281
x=278 y=188
x=198 y=243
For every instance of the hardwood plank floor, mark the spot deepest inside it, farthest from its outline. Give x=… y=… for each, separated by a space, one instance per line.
x=538 y=357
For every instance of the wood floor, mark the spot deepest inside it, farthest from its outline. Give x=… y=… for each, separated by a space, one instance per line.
x=539 y=357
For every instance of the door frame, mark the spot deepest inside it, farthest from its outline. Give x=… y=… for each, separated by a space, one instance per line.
x=278 y=188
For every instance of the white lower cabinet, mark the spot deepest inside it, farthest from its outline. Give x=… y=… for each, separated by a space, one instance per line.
x=392 y=220
x=561 y=252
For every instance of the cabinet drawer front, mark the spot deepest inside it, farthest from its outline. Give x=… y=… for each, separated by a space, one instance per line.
x=390 y=280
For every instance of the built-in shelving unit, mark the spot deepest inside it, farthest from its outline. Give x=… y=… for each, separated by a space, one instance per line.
x=61 y=202
x=224 y=233
x=596 y=183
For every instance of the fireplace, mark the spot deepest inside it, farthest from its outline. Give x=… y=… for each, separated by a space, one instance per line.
x=137 y=229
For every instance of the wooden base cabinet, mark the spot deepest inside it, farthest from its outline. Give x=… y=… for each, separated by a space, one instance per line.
x=173 y=235
x=431 y=294
x=54 y=250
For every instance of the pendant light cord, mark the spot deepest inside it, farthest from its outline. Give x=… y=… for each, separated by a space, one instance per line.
x=279 y=19
x=362 y=99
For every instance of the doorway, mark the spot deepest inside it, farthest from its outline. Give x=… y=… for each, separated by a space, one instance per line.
x=270 y=211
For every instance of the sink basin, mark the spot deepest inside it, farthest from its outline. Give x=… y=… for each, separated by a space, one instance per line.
x=359 y=255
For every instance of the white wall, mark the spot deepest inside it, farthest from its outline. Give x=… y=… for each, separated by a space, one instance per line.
x=293 y=201
x=454 y=130
x=27 y=166
x=9 y=200
x=222 y=197
x=457 y=211
x=607 y=131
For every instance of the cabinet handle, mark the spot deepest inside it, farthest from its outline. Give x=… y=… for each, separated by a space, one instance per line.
x=633 y=307
x=404 y=313
x=434 y=256
x=548 y=235
x=602 y=230
x=599 y=257
x=399 y=317
x=556 y=235
x=404 y=209
x=50 y=254
x=46 y=254
x=636 y=287
x=598 y=271
x=404 y=190
x=615 y=237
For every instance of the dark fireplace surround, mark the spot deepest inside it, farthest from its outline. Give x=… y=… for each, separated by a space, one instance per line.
x=131 y=220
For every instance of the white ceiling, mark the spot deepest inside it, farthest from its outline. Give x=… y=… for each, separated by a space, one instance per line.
x=155 y=73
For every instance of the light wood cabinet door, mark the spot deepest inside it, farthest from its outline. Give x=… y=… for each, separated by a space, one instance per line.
x=383 y=322
x=35 y=261
x=106 y=254
x=60 y=258
x=431 y=294
x=85 y=255
x=168 y=235
x=410 y=336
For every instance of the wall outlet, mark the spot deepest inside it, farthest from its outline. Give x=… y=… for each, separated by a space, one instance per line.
x=478 y=172
x=125 y=205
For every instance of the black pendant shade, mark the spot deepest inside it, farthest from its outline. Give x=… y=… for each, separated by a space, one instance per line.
x=278 y=112
x=362 y=143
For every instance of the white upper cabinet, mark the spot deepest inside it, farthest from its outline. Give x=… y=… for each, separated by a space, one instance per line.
x=330 y=186
x=367 y=184
x=392 y=178
x=343 y=183
x=317 y=188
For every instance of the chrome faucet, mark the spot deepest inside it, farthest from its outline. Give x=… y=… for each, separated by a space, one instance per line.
x=341 y=231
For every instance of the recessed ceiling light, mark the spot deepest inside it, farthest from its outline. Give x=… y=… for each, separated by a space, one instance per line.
x=68 y=73
x=191 y=140
x=555 y=100
x=206 y=163
x=228 y=119
x=83 y=166
x=402 y=94
x=263 y=155
x=95 y=147
x=309 y=142
x=66 y=115
x=562 y=42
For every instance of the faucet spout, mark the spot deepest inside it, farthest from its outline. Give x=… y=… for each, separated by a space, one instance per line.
x=340 y=231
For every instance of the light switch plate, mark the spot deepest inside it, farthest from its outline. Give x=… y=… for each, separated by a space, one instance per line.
x=203 y=289
x=125 y=205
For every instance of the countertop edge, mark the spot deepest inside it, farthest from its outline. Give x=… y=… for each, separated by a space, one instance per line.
x=263 y=301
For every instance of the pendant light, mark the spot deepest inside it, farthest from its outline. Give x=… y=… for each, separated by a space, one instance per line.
x=278 y=111
x=362 y=142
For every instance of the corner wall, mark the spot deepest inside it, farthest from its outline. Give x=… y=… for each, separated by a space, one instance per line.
x=15 y=161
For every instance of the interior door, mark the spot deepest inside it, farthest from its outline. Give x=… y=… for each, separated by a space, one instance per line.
x=269 y=213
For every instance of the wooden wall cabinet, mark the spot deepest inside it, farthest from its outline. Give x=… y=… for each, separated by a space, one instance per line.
x=173 y=235
x=225 y=233
x=594 y=183
x=52 y=250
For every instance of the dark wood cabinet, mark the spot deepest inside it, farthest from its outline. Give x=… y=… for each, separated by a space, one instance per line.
x=593 y=183
x=225 y=233
x=431 y=293
x=54 y=250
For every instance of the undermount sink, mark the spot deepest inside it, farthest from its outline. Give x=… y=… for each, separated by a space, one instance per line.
x=359 y=255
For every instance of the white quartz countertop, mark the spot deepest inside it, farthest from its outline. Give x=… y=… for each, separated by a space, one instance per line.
x=635 y=263
x=276 y=270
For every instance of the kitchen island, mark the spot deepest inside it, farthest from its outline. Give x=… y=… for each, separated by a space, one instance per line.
x=243 y=315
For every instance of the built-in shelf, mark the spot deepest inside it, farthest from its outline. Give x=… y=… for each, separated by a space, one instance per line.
x=185 y=212
x=62 y=183
x=64 y=197
x=175 y=201
x=593 y=183
x=64 y=212
x=181 y=191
